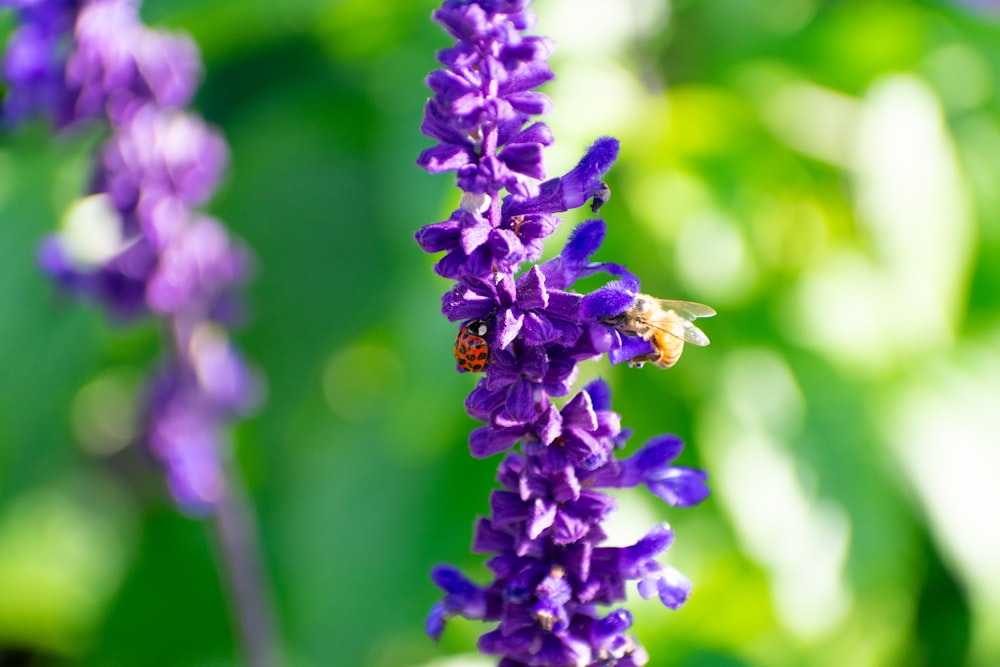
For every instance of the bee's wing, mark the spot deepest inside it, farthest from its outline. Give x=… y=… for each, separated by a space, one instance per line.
x=689 y=310
x=679 y=324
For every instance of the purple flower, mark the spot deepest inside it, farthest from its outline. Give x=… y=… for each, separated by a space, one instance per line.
x=550 y=564
x=579 y=435
x=462 y=598
x=611 y=300
x=612 y=567
x=675 y=485
x=197 y=271
x=575 y=188
x=518 y=383
x=482 y=237
x=522 y=308
x=574 y=262
x=157 y=164
x=119 y=64
x=136 y=243
x=651 y=465
x=545 y=532
x=80 y=59
x=183 y=434
x=198 y=391
x=35 y=61
x=483 y=98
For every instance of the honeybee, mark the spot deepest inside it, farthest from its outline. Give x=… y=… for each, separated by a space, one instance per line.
x=664 y=324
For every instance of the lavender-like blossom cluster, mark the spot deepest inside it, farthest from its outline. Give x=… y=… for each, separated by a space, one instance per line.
x=137 y=243
x=552 y=570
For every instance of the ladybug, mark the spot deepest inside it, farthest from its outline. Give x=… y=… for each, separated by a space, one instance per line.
x=471 y=350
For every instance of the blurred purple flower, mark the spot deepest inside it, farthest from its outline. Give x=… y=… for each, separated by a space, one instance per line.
x=158 y=163
x=136 y=244
x=119 y=65
x=35 y=61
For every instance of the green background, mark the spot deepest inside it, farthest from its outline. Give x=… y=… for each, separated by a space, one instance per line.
x=825 y=174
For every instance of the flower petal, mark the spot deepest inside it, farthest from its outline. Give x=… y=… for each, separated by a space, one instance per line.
x=508 y=327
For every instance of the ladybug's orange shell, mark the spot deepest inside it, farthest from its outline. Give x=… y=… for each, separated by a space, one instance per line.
x=471 y=351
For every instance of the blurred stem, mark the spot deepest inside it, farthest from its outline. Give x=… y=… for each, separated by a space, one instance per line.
x=249 y=593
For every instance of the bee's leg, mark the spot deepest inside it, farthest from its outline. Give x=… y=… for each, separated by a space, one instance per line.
x=639 y=360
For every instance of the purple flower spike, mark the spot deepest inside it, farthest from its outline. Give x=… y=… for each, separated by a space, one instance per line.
x=545 y=535
x=136 y=243
x=483 y=99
